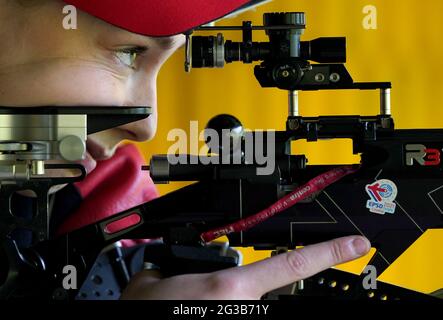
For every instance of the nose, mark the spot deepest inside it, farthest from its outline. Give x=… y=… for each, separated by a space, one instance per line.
x=143 y=95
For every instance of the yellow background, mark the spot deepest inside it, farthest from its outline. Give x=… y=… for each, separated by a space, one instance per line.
x=405 y=49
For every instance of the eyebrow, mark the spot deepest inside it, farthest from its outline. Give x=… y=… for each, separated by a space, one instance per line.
x=166 y=42
x=162 y=42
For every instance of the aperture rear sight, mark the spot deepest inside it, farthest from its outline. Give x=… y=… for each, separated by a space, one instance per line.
x=284 y=58
x=285 y=62
x=284 y=31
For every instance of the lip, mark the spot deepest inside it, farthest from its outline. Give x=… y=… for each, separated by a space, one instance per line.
x=97 y=151
x=89 y=163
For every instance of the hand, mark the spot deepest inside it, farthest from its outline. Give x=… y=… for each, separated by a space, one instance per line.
x=251 y=281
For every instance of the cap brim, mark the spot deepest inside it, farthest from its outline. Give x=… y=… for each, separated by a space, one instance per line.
x=158 y=18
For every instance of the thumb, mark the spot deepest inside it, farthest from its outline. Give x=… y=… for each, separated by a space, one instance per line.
x=139 y=283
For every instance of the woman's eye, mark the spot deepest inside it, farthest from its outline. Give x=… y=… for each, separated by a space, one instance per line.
x=128 y=56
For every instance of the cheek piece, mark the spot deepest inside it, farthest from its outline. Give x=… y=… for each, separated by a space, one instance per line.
x=33 y=136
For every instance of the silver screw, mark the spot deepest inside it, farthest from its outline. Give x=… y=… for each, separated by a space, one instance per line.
x=319 y=77
x=334 y=77
x=72 y=148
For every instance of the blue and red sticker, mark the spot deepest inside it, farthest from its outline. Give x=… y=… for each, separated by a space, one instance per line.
x=382 y=195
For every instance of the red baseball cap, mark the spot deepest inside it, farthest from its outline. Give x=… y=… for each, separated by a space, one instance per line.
x=159 y=17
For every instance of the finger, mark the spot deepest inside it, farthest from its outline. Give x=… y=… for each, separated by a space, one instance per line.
x=138 y=283
x=150 y=275
x=147 y=276
x=284 y=269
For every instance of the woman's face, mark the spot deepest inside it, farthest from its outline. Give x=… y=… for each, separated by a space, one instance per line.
x=97 y=64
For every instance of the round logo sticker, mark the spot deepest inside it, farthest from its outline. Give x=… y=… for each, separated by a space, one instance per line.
x=382 y=195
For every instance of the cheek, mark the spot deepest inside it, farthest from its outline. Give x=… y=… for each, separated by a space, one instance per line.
x=87 y=84
x=61 y=85
x=94 y=87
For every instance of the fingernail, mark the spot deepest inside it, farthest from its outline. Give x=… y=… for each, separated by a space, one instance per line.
x=360 y=246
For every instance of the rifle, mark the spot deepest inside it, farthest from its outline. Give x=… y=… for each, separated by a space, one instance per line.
x=392 y=196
